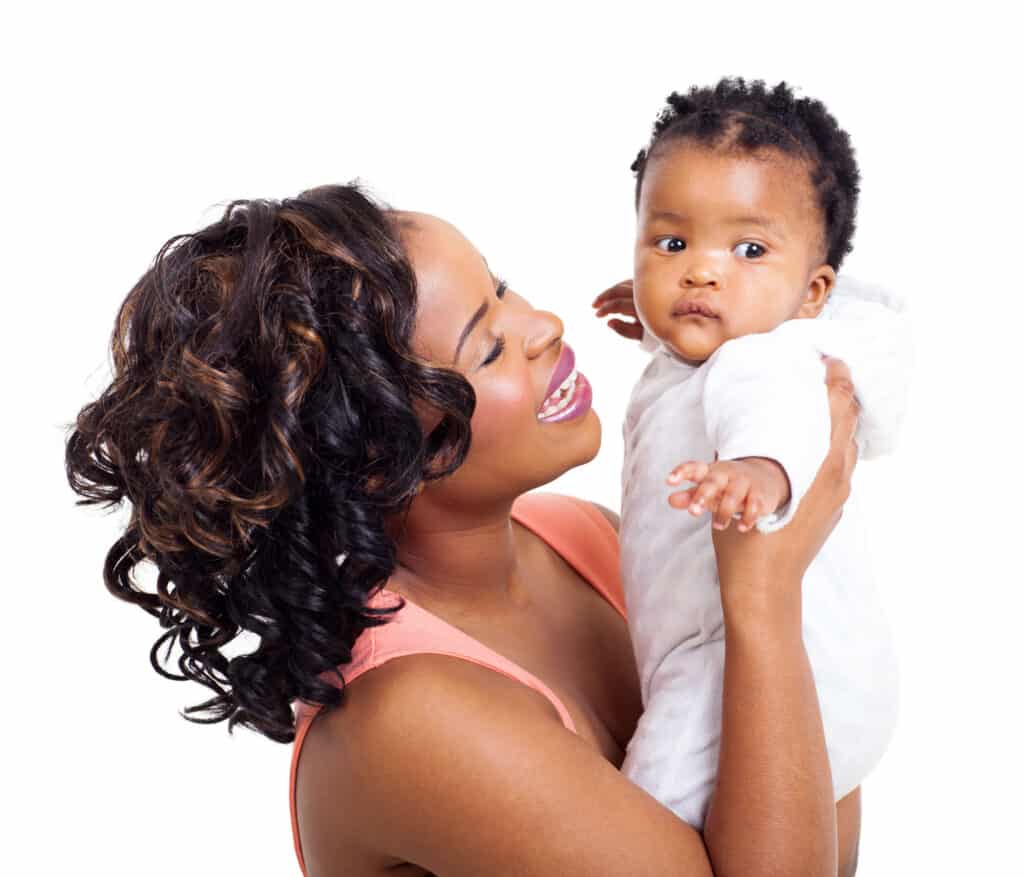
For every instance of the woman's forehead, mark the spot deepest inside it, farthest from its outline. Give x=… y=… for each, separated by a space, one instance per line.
x=452 y=279
x=439 y=252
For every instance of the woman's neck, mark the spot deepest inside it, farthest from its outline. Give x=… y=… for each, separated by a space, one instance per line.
x=464 y=564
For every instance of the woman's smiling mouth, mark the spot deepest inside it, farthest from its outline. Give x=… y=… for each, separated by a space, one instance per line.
x=569 y=392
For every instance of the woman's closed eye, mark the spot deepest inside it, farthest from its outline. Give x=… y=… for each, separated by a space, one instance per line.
x=749 y=250
x=496 y=351
x=500 y=288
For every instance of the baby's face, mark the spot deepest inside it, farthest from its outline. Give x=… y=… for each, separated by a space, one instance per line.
x=727 y=244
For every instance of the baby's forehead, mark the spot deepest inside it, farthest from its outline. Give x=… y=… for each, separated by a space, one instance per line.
x=705 y=182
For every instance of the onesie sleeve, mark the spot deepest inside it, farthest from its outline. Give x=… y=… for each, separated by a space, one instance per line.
x=765 y=396
x=868 y=327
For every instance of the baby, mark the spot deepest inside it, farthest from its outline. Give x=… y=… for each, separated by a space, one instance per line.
x=746 y=199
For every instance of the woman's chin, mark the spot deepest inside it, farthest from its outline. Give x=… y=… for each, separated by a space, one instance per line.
x=578 y=446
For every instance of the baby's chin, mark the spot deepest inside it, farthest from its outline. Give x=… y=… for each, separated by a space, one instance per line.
x=692 y=350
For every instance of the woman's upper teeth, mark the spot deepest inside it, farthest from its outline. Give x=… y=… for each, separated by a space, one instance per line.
x=560 y=398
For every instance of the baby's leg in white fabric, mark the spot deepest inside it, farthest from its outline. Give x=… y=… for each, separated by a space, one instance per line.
x=674 y=753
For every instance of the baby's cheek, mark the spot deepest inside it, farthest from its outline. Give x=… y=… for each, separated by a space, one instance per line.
x=651 y=290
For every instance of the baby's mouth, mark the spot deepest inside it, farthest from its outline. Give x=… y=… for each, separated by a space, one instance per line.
x=691 y=308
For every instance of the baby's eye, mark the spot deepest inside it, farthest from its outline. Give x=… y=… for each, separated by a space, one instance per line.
x=670 y=244
x=749 y=250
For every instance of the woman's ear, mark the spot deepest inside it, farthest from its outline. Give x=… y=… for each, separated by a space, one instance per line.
x=818 y=290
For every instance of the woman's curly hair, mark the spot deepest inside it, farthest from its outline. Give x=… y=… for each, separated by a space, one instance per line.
x=748 y=117
x=260 y=422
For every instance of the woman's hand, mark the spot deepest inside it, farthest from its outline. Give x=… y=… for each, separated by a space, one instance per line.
x=618 y=299
x=748 y=562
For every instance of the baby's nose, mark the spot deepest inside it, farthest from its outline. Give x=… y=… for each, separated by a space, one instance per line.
x=700 y=275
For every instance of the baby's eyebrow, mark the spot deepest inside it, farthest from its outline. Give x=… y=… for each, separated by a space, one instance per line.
x=666 y=214
x=763 y=221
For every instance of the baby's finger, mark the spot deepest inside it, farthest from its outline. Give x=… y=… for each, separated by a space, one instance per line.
x=707 y=493
x=617 y=291
x=616 y=306
x=691 y=470
x=732 y=498
x=624 y=287
x=752 y=510
x=681 y=499
x=633 y=331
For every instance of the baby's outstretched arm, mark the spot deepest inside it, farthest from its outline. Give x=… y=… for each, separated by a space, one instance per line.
x=750 y=487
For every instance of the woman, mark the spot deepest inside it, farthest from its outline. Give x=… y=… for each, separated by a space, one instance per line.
x=294 y=394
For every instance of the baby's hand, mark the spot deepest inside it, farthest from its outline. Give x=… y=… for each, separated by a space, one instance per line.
x=619 y=300
x=751 y=487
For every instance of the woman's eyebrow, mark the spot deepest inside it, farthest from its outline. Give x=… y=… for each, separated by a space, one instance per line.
x=476 y=318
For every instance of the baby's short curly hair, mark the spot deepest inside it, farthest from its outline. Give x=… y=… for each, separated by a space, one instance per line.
x=750 y=117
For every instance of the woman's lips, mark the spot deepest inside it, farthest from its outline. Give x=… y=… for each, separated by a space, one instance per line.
x=580 y=398
x=569 y=394
x=563 y=368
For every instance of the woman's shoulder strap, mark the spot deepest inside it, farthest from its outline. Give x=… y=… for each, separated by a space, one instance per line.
x=581 y=534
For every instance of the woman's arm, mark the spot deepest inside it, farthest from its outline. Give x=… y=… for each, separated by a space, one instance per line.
x=463 y=771
x=848 y=810
x=772 y=809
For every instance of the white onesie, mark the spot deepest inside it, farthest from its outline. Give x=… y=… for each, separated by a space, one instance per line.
x=761 y=395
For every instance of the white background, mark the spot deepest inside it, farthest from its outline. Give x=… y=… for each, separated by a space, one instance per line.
x=517 y=123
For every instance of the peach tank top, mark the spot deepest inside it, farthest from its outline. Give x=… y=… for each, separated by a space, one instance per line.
x=575 y=529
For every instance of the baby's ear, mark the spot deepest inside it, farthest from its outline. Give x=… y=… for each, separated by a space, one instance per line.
x=818 y=290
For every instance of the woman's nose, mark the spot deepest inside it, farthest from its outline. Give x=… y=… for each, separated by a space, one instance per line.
x=544 y=329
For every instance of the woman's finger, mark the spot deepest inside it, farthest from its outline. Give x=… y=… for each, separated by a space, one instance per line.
x=844 y=411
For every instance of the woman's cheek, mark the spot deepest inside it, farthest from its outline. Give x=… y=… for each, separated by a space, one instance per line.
x=501 y=404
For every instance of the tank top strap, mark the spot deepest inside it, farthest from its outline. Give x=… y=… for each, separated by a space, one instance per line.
x=581 y=534
x=416 y=631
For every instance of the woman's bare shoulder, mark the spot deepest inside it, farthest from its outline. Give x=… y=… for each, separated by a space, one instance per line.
x=429 y=745
x=359 y=759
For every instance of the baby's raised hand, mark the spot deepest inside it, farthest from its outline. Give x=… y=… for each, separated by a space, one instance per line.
x=619 y=300
x=750 y=488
